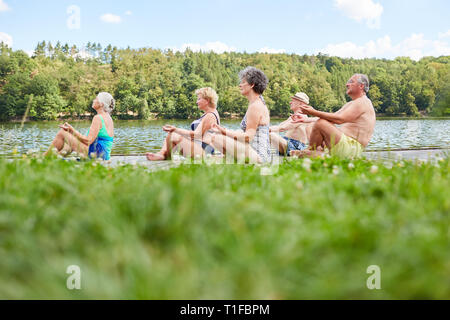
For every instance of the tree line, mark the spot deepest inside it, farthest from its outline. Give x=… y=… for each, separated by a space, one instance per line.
x=61 y=80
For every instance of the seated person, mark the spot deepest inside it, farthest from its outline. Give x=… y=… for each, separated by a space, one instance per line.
x=296 y=137
x=357 y=119
x=100 y=138
x=252 y=142
x=192 y=142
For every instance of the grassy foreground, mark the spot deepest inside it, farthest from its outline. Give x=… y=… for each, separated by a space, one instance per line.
x=309 y=231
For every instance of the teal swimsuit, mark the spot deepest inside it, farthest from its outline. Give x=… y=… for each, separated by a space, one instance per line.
x=101 y=147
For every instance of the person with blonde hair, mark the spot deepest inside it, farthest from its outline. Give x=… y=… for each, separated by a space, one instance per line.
x=99 y=140
x=192 y=142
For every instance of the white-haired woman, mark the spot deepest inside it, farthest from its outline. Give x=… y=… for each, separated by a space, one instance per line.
x=100 y=137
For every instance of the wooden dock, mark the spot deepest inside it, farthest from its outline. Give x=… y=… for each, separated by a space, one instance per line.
x=389 y=155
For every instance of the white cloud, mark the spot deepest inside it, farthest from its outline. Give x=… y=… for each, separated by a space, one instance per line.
x=415 y=47
x=110 y=18
x=271 y=50
x=443 y=35
x=6 y=39
x=4 y=6
x=128 y=13
x=217 y=47
x=361 y=10
x=348 y=49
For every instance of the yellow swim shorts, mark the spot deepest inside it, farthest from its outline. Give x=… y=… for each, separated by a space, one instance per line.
x=347 y=148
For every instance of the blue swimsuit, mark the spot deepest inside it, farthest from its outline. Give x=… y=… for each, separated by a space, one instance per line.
x=293 y=144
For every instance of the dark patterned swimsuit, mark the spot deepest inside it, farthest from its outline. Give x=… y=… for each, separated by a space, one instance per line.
x=208 y=148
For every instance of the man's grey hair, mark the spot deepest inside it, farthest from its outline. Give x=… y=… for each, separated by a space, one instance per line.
x=363 y=79
x=256 y=77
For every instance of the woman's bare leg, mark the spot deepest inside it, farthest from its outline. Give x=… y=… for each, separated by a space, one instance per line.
x=65 y=138
x=171 y=141
x=189 y=148
x=278 y=143
x=323 y=134
x=238 y=150
x=66 y=150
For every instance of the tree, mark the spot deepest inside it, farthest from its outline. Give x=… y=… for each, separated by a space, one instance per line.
x=143 y=109
x=408 y=106
x=12 y=99
x=8 y=66
x=375 y=96
x=145 y=81
x=40 y=49
x=47 y=103
x=47 y=106
x=442 y=105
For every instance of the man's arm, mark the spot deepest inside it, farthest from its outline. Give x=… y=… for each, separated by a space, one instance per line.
x=281 y=127
x=310 y=119
x=348 y=113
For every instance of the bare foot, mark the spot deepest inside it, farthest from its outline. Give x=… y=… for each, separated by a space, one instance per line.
x=155 y=156
x=306 y=153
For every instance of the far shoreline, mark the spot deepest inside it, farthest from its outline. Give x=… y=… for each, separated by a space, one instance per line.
x=89 y=118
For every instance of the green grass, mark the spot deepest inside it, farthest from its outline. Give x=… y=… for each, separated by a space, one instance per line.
x=225 y=231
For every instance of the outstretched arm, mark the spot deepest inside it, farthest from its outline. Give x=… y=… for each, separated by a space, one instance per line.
x=284 y=126
x=348 y=113
x=93 y=131
x=252 y=124
x=180 y=131
x=233 y=133
x=299 y=118
x=205 y=125
x=310 y=119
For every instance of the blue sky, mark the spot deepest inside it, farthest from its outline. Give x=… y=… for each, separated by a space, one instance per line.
x=356 y=28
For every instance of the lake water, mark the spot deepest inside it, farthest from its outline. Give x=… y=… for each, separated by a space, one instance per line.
x=137 y=137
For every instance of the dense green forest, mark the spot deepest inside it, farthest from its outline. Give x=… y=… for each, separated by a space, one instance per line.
x=62 y=80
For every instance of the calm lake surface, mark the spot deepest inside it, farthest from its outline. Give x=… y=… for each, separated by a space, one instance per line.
x=137 y=137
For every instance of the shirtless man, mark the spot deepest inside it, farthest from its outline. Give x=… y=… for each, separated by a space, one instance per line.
x=357 y=119
x=297 y=134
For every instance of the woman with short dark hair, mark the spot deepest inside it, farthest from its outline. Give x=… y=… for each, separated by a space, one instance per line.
x=255 y=125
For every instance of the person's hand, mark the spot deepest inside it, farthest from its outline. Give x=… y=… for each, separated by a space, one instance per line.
x=308 y=110
x=298 y=118
x=218 y=129
x=169 y=128
x=66 y=127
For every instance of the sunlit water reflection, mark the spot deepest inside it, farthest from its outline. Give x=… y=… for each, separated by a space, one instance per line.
x=137 y=137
